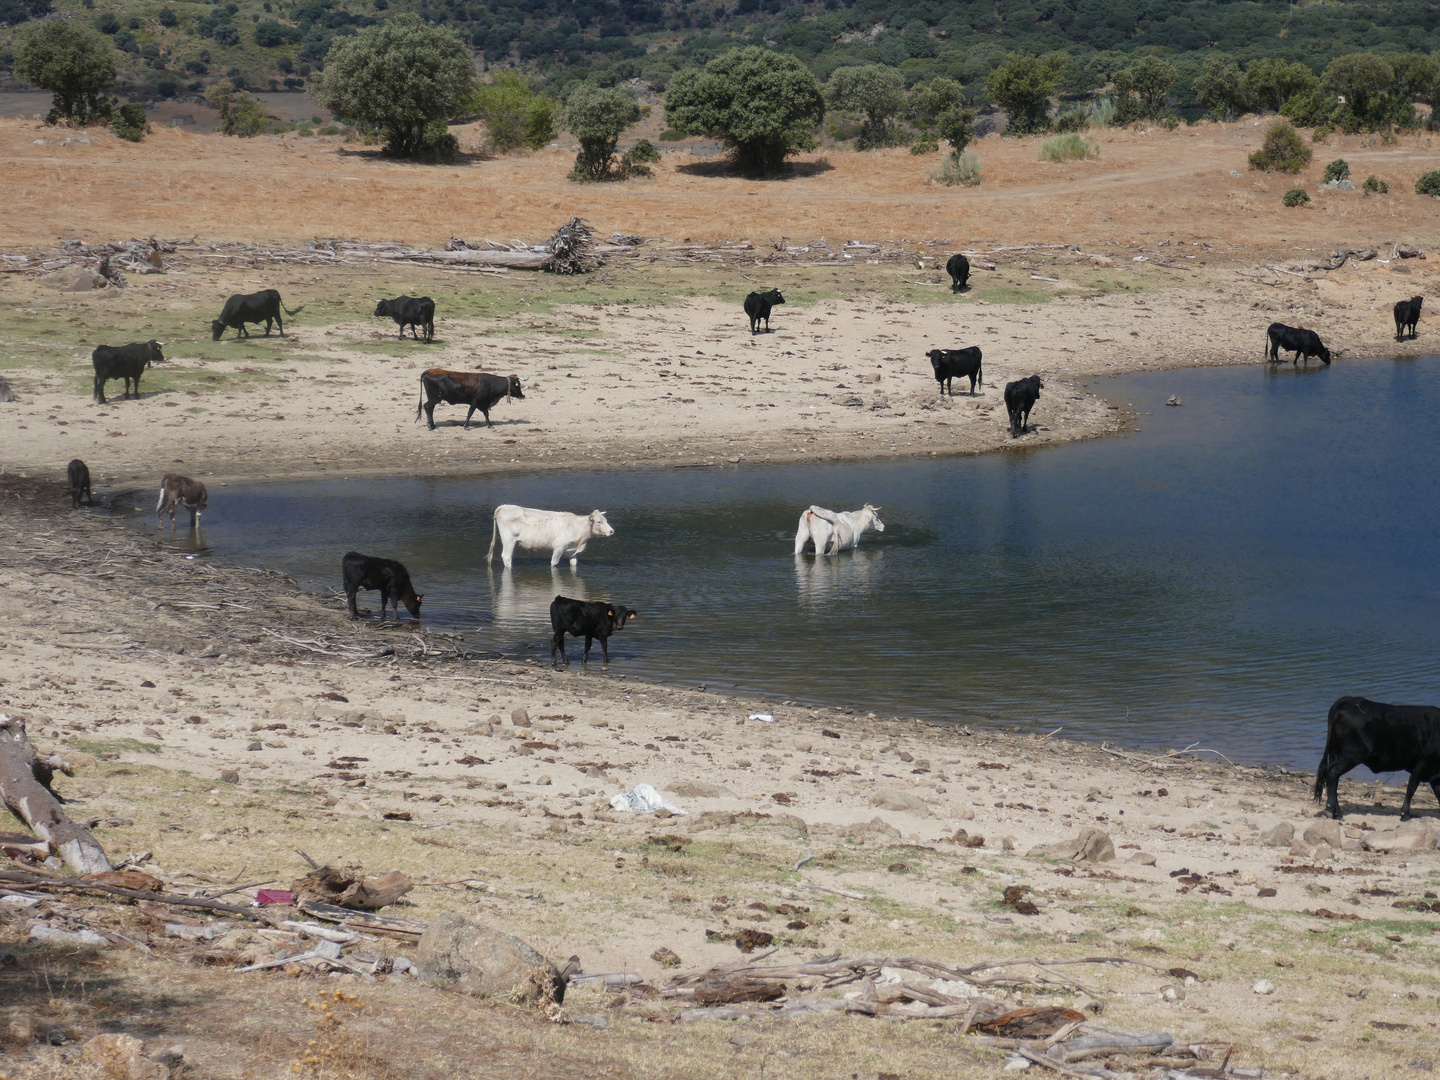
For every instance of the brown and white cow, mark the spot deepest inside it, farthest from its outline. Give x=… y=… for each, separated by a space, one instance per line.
x=176 y=490
x=477 y=389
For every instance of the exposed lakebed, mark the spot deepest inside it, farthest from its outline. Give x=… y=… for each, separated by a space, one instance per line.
x=1219 y=576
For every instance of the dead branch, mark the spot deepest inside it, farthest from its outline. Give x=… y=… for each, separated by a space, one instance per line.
x=25 y=787
x=35 y=881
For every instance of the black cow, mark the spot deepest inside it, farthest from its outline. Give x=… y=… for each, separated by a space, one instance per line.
x=78 y=473
x=123 y=362
x=758 y=305
x=1020 y=398
x=587 y=619
x=477 y=389
x=411 y=311
x=959 y=270
x=1407 y=314
x=257 y=307
x=950 y=364
x=1383 y=738
x=387 y=575
x=1304 y=343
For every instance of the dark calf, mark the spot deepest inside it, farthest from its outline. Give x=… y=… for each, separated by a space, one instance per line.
x=123 y=362
x=78 y=474
x=951 y=364
x=758 y=305
x=386 y=575
x=176 y=490
x=1020 y=398
x=410 y=311
x=1383 y=738
x=959 y=270
x=587 y=619
x=1407 y=314
x=1304 y=343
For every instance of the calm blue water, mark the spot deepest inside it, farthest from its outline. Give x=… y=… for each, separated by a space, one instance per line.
x=1221 y=576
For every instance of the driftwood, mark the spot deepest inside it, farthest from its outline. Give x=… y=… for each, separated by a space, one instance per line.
x=363 y=920
x=25 y=786
x=350 y=890
x=37 y=881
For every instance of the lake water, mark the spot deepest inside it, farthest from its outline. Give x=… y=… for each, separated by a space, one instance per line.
x=1218 y=577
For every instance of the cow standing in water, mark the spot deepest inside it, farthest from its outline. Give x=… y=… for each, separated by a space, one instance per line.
x=588 y=619
x=388 y=576
x=827 y=533
x=565 y=535
x=177 y=490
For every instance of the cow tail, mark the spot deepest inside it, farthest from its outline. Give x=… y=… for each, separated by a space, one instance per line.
x=289 y=312
x=980 y=372
x=161 y=503
x=494 y=531
x=421 y=403
x=1325 y=758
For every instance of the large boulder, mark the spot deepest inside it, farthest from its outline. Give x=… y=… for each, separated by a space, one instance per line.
x=461 y=955
x=1089 y=845
x=903 y=801
x=122 y=1057
x=1417 y=834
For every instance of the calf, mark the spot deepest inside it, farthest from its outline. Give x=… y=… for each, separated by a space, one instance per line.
x=178 y=490
x=1301 y=342
x=78 y=474
x=758 y=305
x=951 y=364
x=1020 y=398
x=959 y=270
x=474 y=388
x=1407 y=314
x=1383 y=738
x=410 y=311
x=263 y=306
x=387 y=575
x=123 y=362
x=587 y=619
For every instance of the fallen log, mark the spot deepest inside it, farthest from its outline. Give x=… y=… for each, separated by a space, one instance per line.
x=515 y=260
x=25 y=786
x=36 y=881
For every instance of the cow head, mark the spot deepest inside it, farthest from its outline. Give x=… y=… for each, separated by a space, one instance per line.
x=619 y=616
x=217 y=328
x=875 y=522
x=598 y=525
x=412 y=603
x=513 y=389
x=936 y=356
x=382 y=308
x=775 y=297
x=155 y=356
x=1324 y=354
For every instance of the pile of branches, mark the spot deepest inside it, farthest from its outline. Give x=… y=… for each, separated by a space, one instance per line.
x=571 y=249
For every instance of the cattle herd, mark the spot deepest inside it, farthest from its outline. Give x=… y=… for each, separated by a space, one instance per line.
x=1384 y=738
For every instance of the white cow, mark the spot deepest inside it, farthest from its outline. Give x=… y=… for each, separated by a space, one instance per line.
x=564 y=534
x=825 y=532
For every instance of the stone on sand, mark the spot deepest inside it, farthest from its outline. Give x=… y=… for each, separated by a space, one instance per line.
x=901 y=801
x=1089 y=845
x=460 y=955
x=699 y=789
x=1279 y=836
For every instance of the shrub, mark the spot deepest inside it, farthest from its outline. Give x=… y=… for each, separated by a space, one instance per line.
x=1102 y=112
x=515 y=114
x=270 y=33
x=762 y=105
x=926 y=144
x=1022 y=85
x=1070 y=119
x=1282 y=151
x=1321 y=133
x=1140 y=89
x=1375 y=186
x=330 y=129
x=671 y=135
x=1071 y=147
x=168 y=17
x=438 y=146
x=129 y=121
x=1429 y=184
x=636 y=161
x=1296 y=197
x=399 y=78
x=598 y=117
x=1339 y=169
x=958 y=170
x=75 y=64
x=241 y=114
x=108 y=23
x=875 y=90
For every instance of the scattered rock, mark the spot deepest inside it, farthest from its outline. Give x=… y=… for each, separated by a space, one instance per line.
x=229 y=776
x=1173 y=993
x=6 y=394
x=1264 y=987
x=122 y=1057
x=1280 y=836
x=1143 y=858
x=1015 y=1063
x=1090 y=845
x=520 y=718
x=53 y=936
x=460 y=955
x=665 y=957
x=901 y=801
x=1324 y=832
x=1174 y=400
x=1339 y=185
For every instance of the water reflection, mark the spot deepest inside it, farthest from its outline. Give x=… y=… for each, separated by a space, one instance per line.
x=521 y=599
x=823 y=579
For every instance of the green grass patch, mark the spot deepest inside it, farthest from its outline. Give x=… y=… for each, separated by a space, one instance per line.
x=115 y=746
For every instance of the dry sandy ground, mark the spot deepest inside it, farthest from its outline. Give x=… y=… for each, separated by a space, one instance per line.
x=153 y=698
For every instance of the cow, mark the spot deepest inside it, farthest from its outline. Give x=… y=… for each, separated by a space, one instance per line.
x=758 y=305
x=1301 y=342
x=78 y=473
x=588 y=619
x=827 y=533
x=411 y=311
x=566 y=535
x=951 y=364
x=477 y=389
x=1020 y=398
x=959 y=270
x=123 y=362
x=176 y=490
x=1407 y=314
x=263 y=306
x=387 y=575
x=1383 y=738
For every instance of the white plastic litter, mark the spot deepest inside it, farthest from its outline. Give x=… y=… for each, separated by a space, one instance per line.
x=643 y=799
x=763 y=717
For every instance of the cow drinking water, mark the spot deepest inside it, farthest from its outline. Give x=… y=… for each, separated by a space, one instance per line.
x=1304 y=343
x=565 y=535
x=1383 y=738
x=176 y=490
x=758 y=305
x=411 y=311
x=263 y=306
x=78 y=473
x=588 y=619
x=123 y=362
x=388 y=576
x=826 y=532
x=477 y=389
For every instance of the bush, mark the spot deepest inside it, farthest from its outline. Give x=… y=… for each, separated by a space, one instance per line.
x=1375 y=186
x=515 y=114
x=1071 y=147
x=671 y=135
x=1022 y=85
x=1429 y=184
x=1296 y=197
x=129 y=121
x=1321 y=133
x=1339 y=169
x=399 y=78
x=958 y=170
x=330 y=129
x=1070 y=119
x=1102 y=112
x=1282 y=151
x=926 y=144
x=241 y=114
x=439 y=146
x=644 y=150
x=75 y=64
x=269 y=33
x=168 y=17
x=875 y=90
x=108 y=23
x=598 y=117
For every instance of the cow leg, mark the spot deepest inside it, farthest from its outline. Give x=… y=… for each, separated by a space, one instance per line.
x=605 y=647
x=1409 y=794
x=557 y=642
x=430 y=414
x=468 y=416
x=555 y=556
x=588 y=641
x=350 y=603
x=1435 y=787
